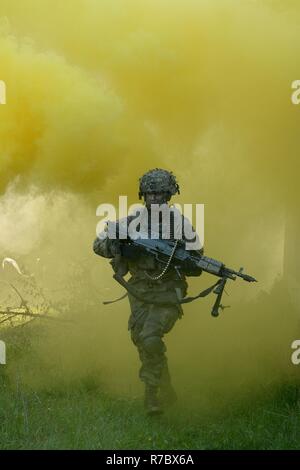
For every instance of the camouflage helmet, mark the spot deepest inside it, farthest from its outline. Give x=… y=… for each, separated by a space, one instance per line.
x=158 y=181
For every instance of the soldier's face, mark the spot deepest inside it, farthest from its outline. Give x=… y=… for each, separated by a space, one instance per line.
x=155 y=198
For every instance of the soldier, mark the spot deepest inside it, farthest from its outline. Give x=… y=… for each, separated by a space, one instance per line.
x=149 y=322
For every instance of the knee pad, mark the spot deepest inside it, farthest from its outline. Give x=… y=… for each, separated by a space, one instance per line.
x=153 y=345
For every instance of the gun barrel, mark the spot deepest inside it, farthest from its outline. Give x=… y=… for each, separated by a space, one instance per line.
x=233 y=274
x=248 y=278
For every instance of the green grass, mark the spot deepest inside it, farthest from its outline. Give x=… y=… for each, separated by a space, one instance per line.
x=83 y=415
x=86 y=417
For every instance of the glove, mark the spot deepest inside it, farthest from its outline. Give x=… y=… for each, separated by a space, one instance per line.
x=115 y=247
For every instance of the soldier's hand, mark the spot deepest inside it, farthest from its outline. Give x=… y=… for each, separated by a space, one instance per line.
x=115 y=247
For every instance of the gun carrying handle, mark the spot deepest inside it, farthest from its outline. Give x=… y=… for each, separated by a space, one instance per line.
x=219 y=291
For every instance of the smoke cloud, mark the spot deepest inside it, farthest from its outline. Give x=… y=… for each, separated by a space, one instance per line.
x=99 y=92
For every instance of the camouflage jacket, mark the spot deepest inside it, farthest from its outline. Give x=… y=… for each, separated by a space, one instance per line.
x=140 y=269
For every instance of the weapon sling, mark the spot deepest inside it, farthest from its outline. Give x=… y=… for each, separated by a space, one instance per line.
x=170 y=299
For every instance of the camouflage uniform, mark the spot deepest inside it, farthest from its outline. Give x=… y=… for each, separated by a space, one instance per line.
x=148 y=323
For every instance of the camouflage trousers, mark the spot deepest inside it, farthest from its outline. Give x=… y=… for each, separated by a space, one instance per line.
x=148 y=324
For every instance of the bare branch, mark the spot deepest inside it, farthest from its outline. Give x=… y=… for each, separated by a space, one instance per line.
x=32 y=315
x=8 y=318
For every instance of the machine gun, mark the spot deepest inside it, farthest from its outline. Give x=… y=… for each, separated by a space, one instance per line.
x=171 y=254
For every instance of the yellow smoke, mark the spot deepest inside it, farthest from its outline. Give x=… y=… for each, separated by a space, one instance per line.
x=99 y=92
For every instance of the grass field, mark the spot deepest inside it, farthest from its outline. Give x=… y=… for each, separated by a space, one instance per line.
x=84 y=417
x=84 y=414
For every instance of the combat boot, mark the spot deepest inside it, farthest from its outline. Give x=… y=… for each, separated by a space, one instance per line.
x=167 y=394
x=151 y=402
